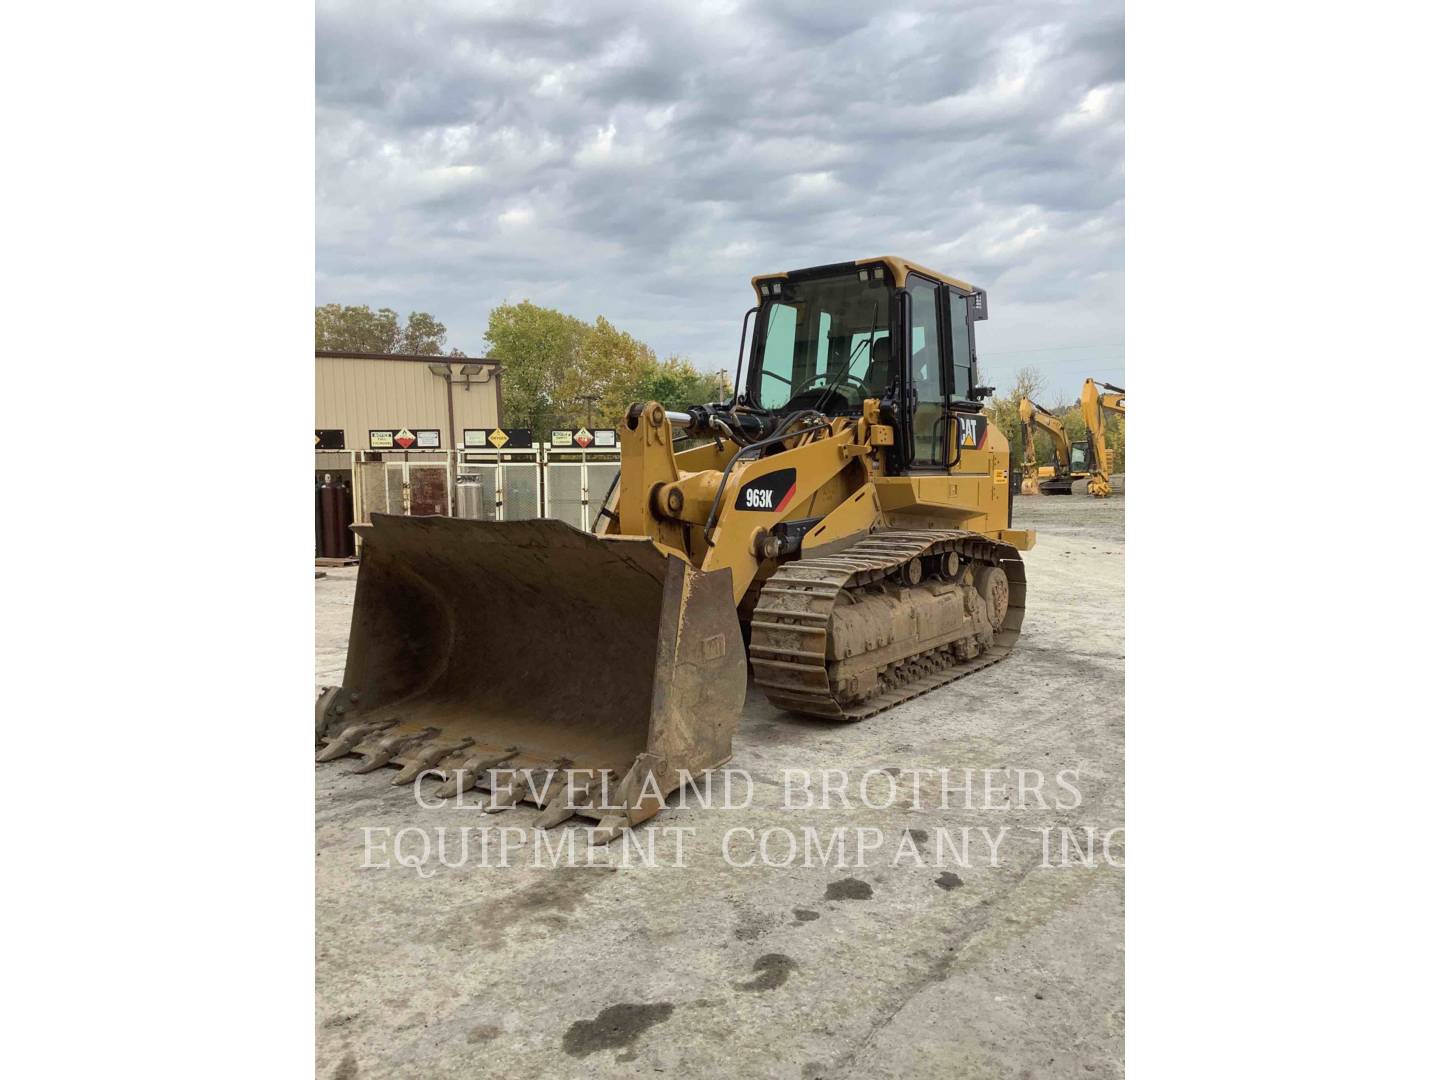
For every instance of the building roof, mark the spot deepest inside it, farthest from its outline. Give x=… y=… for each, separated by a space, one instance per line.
x=412 y=357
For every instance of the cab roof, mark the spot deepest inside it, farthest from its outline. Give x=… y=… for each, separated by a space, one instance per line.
x=899 y=269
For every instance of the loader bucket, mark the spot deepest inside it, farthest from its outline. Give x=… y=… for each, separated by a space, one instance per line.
x=533 y=647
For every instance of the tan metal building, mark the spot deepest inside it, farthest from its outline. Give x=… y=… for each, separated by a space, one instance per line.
x=430 y=399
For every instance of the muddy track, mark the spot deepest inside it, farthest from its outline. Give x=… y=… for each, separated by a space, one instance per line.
x=792 y=649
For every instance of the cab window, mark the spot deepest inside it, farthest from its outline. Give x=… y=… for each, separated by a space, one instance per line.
x=777 y=371
x=961 y=351
x=824 y=342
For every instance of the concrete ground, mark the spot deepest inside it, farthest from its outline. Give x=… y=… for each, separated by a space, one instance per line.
x=911 y=965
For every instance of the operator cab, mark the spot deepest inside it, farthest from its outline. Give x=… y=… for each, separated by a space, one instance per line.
x=829 y=337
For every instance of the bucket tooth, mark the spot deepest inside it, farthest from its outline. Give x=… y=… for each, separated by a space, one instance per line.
x=546 y=784
x=390 y=746
x=324 y=704
x=557 y=784
x=561 y=806
x=611 y=827
x=350 y=738
x=640 y=794
x=636 y=799
x=506 y=794
x=459 y=779
x=375 y=760
x=465 y=776
x=429 y=758
x=559 y=810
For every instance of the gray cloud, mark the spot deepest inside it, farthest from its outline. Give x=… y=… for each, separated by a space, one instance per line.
x=643 y=161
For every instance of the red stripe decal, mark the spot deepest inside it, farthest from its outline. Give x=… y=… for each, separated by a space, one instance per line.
x=786 y=500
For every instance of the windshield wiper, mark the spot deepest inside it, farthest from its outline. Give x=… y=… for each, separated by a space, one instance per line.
x=850 y=361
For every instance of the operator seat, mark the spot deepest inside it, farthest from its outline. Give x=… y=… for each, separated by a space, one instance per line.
x=877 y=376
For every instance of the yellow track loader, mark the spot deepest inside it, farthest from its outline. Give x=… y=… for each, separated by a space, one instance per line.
x=842 y=524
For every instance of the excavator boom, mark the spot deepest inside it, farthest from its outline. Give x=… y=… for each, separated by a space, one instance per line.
x=1093 y=407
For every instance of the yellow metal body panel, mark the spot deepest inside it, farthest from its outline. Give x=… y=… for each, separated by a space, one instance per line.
x=853 y=518
x=1020 y=539
x=838 y=476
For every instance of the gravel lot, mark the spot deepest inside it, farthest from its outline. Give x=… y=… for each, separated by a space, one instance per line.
x=910 y=965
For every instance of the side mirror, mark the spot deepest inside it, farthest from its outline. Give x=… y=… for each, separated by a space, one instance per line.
x=982 y=392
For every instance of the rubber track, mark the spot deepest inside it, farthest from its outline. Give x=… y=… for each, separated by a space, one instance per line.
x=790 y=628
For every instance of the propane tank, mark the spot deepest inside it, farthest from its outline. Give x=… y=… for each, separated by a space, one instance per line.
x=347 y=516
x=333 y=504
x=319 y=517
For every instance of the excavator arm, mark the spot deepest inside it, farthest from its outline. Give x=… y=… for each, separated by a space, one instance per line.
x=1032 y=416
x=1093 y=406
x=1030 y=469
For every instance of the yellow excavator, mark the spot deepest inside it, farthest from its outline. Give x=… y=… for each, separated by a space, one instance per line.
x=844 y=526
x=1056 y=479
x=1093 y=407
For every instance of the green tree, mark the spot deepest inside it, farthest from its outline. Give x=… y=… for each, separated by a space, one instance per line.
x=1004 y=413
x=563 y=372
x=424 y=335
x=608 y=367
x=355 y=328
x=675 y=383
x=536 y=346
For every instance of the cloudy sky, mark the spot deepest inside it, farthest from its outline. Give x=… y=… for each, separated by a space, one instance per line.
x=642 y=161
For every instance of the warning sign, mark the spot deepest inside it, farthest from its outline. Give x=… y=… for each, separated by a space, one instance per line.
x=496 y=438
x=584 y=438
x=405 y=438
x=329 y=438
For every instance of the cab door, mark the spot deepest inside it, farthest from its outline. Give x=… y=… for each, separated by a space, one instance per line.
x=943 y=414
x=928 y=389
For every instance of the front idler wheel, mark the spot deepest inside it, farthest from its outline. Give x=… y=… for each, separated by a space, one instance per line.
x=994 y=589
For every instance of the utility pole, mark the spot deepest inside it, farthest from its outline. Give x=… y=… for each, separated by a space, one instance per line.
x=590 y=400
